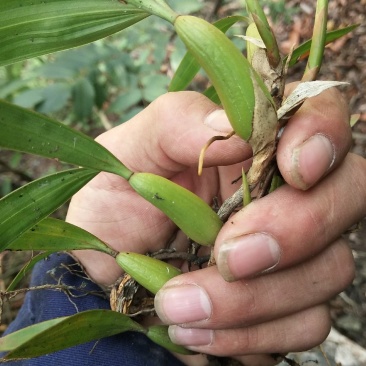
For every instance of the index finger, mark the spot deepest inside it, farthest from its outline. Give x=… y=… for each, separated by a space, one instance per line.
x=315 y=140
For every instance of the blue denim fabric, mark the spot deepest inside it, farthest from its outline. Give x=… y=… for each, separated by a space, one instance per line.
x=126 y=349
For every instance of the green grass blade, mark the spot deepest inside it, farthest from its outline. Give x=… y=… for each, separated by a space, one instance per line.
x=33 y=28
x=265 y=32
x=330 y=37
x=318 y=42
x=55 y=235
x=189 y=67
x=26 y=269
x=30 y=132
x=57 y=334
x=25 y=207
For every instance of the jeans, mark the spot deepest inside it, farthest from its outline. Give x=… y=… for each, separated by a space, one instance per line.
x=125 y=349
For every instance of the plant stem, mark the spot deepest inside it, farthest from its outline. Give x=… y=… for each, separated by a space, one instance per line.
x=318 y=41
x=156 y=7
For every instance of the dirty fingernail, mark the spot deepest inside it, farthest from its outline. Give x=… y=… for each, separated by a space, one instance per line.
x=182 y=304
x=247 y=255
x=311 y=160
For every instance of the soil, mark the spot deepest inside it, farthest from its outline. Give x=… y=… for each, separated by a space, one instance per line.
x=345 y=60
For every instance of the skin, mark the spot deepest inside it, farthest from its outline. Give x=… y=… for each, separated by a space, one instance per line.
x=281 y=309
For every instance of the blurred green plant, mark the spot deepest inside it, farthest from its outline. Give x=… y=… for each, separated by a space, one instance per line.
x=103 y=83
x=278 y=10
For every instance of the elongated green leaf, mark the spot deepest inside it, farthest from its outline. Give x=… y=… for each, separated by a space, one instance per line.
x=26 y=269
x=14 y=340
x=332 y=36
x=27 y=131
x=57 y=334
x=31 y=28
x=57 y=235
x=26 y=206
x=159 y=334
x=189 y=66
x=265 y=32
x=231 y=76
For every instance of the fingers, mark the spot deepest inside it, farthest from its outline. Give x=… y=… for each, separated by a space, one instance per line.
x=288 y=226
x=202 y=299
x=297 y=332
x=167 y=136
x=315 y=141
x=278 y=312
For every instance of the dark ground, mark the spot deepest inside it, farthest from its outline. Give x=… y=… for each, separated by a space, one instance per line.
x=345 y=60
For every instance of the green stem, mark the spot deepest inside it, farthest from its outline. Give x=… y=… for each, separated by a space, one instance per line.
x=318 y=41
x=156 y=7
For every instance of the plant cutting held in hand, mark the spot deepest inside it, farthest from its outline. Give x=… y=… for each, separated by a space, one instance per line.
x=250 y=90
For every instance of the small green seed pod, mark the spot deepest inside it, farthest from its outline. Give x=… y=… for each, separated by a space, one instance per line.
x=159 y=334
x=227 y=68
x=188 y=211
x=149 y=272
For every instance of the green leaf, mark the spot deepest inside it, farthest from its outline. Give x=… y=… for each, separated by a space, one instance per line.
x=126 y=100
x=153 y=86
x=211 y=94
x=26 y=269
x=332 y=36
x=83 y=98
x=159 y=335
x=265 y=32
x=26 y=206
x=189 y=66
x=277 y=181
x=30 y=132
x=29 y=98
x=31 y=28
x=56 y=97
x=57 y=334
x=55 y=235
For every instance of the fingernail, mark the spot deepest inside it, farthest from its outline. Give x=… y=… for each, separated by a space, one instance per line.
x=311 y=160
x=190 y=337
x=182 y=304
x=217 y=120
x=247 y=255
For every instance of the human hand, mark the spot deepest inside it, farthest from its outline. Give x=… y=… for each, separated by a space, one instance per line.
x=283 y=309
